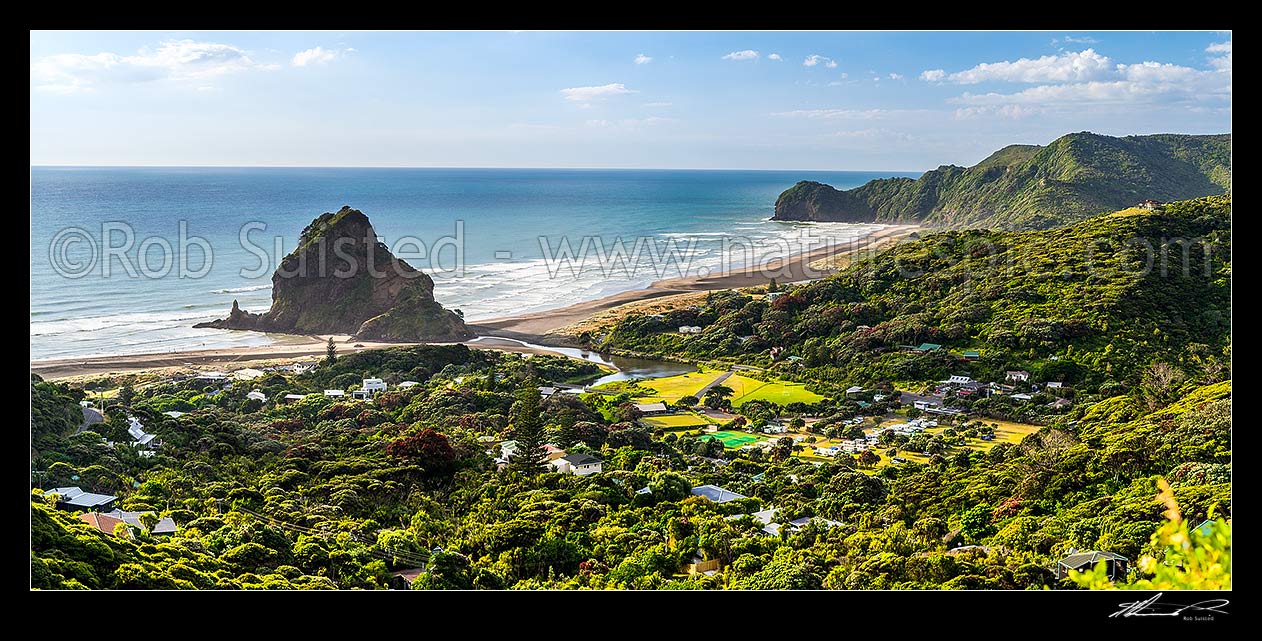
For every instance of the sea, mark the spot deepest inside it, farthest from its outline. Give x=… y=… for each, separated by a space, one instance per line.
x=127 y=260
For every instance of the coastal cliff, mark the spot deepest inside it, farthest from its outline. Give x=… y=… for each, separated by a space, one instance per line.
x=1024 y=187
x=342 y=280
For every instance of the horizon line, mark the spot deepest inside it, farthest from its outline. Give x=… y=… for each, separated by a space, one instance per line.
x=139 y=166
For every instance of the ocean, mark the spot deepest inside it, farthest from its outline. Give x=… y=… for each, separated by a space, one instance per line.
x=119 y=255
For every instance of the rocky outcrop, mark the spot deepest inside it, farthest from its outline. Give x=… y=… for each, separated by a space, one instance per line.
x=342 y=280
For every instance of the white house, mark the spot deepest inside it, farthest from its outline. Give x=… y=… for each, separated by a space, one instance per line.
x=959 y=380
x=1020 y=397
x=854 y=389
x=689 y=329
x=289 y=398
x=508 y=449
x=651 y=408
x=334 y=393
x=773 y=295
x=257 y=395
x=1055 y=385
x=576 y=464
x=411 y=384
x=924 y=405
x=1016 y=375
x=137 y=432
x=545 y=391
x=174 y=414
x=303 y=368
x=373 y=385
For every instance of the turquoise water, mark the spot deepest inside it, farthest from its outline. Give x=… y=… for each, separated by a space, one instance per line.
x=492 y=264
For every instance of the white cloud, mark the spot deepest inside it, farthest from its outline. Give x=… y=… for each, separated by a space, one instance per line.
x=844 y=75
x=1219 y=47
x=1075 y=40
x=896 y=76
x=657 y=104
x=641 y=59
x=774 y=56
x=1081 y=66
x=172 y=60
x=317 y=56
x=871 y=133
x=933 y=75
x=844 y=114
x=815 y=59
x=1014 y=112
x=747 y=54
x=587 y=95
x=1223 y=62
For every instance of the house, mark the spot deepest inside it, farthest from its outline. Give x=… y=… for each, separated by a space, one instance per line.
x=855 y=389
x=137 y=432
x=716 y=493
x=924 y=405
x=1018 y=375
x=1021 y=397
x=877 y=398
x=102 y=522
x=649 y=409
x=247 y=374
x=334 y=393
x=257 y=395
x=773 y=295
x=577 y=464
x=410 y=384
x=971 y=354
x=289 y=398
x=164 y=526
x=1060 y=404
x=173 y=414
x=958 y=380
x=508 y=449
x=1116 y=565
x=372 y=386
x=1055 y=385
x=212 y=376
x=1149 y=204
x=1205 y=528
x=689 y=329
x=774 y=428
x=303 y=368
x=545 y=392
x=73 y=498
x=924 y=348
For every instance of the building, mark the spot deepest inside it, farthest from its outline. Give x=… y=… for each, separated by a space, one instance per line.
x=1021 y=397
x=1115 y=565
x=164 y=526
x=373 y=385
x=334 y=393
x=74 y=498
x=577 y=464
x=924 y=405
x=173 y=414
x=1014 y=376
x=648 y=409
x=303 y=368
x=773 y=295
x=927 y=347
x=1055 y=385
x=689 y=329
x=257 y=395
x=1060 y=404
x=959 y=380
x=137 y=432
x=103 y=522
x=410 y=384
x=1149 y=204
x=854 y=389
x=716 y=493
x=212 y=376
x=971 y=354
x=289 y=398
x=545 y=392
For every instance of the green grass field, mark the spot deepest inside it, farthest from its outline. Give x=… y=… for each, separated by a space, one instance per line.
x=779 y=392
x=735 y=439
x=677 y=421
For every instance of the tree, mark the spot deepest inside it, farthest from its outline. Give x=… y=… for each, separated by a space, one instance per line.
x=717 y=397
x=869 y=458
x=427 y=449
x=126 y=394
x=783 y=449
x=687 y=401
x=149 y=520
x=627 y=413
x=773 y=286
x=330 y=351
x=670 y=486
x=528 y=431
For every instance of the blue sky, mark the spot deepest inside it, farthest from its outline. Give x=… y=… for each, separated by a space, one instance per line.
x=753 y=100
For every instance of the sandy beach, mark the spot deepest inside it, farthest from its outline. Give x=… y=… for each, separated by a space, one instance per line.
x=539 y=327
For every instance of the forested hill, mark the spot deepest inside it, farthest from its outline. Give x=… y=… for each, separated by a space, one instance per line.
x=1030 y=187
x=1078 y=304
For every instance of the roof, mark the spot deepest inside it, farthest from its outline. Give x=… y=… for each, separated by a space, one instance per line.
x=853 y=389
x=580 y=459
x=547 y=391
x=78 y=498
x=929 y=347
x=651 y=407
x=295 y=397
x=1090 y=557
x=971 y=352
x=257 y=394
x=716 y=493
x=406 y=384
x=92 y=415
x=174 y=413
x=165 y=525
x=102 y=522
x=334 y=392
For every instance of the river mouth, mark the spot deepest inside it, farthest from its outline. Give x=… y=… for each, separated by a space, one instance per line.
x=628 y=368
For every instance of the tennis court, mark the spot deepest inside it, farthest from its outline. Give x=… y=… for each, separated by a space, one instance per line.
x=735 y=439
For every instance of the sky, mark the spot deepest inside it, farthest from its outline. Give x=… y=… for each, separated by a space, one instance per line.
x=706 y=100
